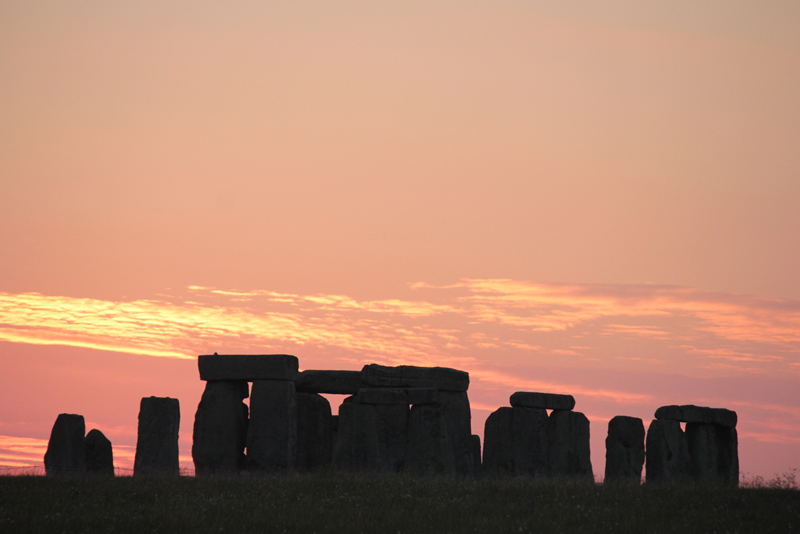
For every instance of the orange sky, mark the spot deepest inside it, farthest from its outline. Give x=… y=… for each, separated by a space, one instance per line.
x=596 y=198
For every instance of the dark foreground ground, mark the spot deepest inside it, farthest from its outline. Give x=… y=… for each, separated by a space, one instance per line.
x=384 y=504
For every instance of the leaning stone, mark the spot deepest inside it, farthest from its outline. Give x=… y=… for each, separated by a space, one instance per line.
x=157 y=442
x=422 y=396
x=568 y=451
x=458 y=417
x=515 y=442
x=248 y=367
x=698 y=414
x=548 y=401
x=314 y=432
x=625 y=449
x=65 y=448
x=407 y=376
x=430 y=450
x=98 y=453
x=272 y=432
x=220 y=428
x=476 y=454
x=667 y=457
x=337 y=382
x=382 y=396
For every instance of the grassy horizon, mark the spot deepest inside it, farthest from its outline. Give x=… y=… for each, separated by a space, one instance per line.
x=345 y=502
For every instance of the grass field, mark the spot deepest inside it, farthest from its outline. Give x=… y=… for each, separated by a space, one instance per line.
x=336 y=502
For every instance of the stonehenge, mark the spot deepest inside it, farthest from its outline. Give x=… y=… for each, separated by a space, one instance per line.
x=70 y=452
x=403 y=419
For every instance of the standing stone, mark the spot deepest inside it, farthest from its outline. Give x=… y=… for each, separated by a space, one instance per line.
x=98 y=453
x=667 y=456
x=409 y=376
x=515 y=442
x=314 y=432
x=625 y=449
x=430 y=450
x=701 y=440
x=220 y=428
x=391 y=422
x=568 y=451
x=157 y=442
x=728 y=443
x=356 y=446
x=476 y=454
x=65 y=449
x=459 y=426
x=272 y=432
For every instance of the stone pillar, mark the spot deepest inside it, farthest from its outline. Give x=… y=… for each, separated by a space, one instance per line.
x=98 y=453
x=476 y=455
x=314 y=432
x=157 y=443
x=65 y=450
x=220 y=427
x=357 y=438
x=625 y=450
x=272 y=432
x=568 y=452
x=459 y=426
x=667 y=457
x=430 y=450
x=515 y=442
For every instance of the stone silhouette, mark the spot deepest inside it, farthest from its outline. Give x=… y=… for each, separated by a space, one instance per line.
x=625 y=449
x=250 y=367
x=157 y=442
x=220 y=427
x=65 y=450
x=524 y=441
x=314 y=432
x=98 y=453
x=706 y=451
x=272 y=432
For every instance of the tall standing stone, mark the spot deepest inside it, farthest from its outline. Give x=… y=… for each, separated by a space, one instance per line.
x=157 y=442
x=314 y=432
x=220 y=427
x=476 y=455
x=430 y=449
x=625 y=449
x=667 y=458
x=728 y=443
x=515 y=442
x=272 y=432
x=568 y=450
x=457 y=414
x=98 y=453
x=65 y=451
x=357 y=438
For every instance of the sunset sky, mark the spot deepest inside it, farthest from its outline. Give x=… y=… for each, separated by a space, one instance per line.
x=593 y=198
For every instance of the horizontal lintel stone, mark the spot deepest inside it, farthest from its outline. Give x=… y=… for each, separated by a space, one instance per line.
x=408 y=376
x=698 y=414
x=382 y=396
x=336 y=382
x=249 y=367
x=547 y=401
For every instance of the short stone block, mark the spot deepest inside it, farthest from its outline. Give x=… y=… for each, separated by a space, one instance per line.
x=98 y=453
x=515 y=442
x=568 y=451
